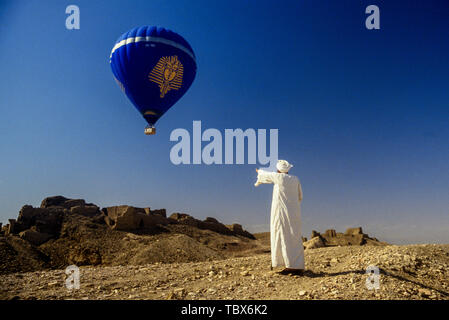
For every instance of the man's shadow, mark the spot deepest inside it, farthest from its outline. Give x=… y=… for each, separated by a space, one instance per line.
x=312 y=274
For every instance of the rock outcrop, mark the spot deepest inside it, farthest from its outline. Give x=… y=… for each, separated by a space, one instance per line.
x=42 y=220
x=209 y=224
x=314 y=234
x=65 y=231
x=354 y=231
x=352 y=237
x=316 y=242
x=38 y=225
x=35 y=237
x=128 y=218
x=238 y=230
x=330 y=233
x=60 y=201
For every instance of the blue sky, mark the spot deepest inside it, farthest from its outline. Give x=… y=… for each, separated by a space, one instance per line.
x=362 y=114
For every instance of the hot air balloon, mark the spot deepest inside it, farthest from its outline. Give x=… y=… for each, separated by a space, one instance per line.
x=154 y=67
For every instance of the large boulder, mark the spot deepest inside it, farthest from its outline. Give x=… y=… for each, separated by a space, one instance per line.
x=209 y=223
x=314 y=234
x=35 y=237
x=46 y=220
x=60 y=201
x=128 y=218
x=354 y=231
x=56 y=201
x=358 y=239
x=27 y=214
x=330 y=233
x=85 y=210
x=9 y=228
x=74 y=203
x=237 y=229
x=212 y=224
x=316 y=242
x=14 y=227
x=184 y=218
x=160 y=212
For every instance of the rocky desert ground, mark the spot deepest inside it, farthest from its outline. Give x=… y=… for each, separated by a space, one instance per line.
x=407 y=272
x=137 y=253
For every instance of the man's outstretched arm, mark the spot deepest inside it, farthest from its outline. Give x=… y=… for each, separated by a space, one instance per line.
x=265 y=177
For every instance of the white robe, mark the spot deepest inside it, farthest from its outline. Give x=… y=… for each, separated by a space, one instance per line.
x=285 y=226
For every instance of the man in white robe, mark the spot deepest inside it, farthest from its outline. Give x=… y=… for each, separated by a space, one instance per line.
x=285 y=226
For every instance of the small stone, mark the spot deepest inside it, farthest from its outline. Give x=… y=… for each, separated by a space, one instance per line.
x=171 y=296
x=424 y=292
x=302 y=293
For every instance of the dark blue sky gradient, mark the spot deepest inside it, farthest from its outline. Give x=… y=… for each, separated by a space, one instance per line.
x=362 y=114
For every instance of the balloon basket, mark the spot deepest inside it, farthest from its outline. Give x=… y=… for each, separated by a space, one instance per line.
x=150 y=131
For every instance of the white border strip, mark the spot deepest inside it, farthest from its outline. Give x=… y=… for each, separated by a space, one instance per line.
x=152 y=39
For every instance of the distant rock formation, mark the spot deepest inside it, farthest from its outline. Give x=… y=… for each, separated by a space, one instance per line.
x=38 y=225
x=210 y=224
x=352 y=237
x=128 y=218
x=316 y=242
x=65 y=231
x=238 y=229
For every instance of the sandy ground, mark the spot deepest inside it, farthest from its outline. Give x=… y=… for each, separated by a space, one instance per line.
x=406 y=272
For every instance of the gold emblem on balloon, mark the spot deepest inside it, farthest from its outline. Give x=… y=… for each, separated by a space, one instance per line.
x=167 y=74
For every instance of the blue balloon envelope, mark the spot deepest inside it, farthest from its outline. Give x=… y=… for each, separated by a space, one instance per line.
x=154 y=67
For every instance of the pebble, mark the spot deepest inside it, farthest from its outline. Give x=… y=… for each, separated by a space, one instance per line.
x=424 y=292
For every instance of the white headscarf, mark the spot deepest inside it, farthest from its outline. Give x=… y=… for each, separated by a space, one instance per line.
x=283 y=166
